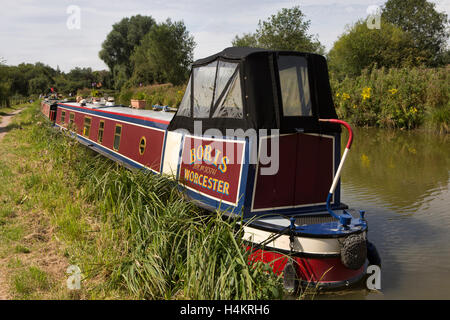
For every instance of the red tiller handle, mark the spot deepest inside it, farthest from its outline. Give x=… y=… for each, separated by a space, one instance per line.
x=345 y=124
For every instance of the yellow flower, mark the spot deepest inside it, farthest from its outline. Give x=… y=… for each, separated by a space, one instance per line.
x=393 y=91
x=345 y=96
x=366 y=93
x=337 y=95
x=355 y=106
x=413 y=110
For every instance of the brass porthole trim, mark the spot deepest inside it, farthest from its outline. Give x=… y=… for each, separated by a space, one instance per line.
x=142 y=145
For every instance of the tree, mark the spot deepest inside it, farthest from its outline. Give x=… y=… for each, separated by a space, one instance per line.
x=165 y=55
x=28 y=79
x=420 y=19
x=246 y=40
x=4 y=85
x=121 y=42
x=287 y=30
x=38 y=85
x=360 y=48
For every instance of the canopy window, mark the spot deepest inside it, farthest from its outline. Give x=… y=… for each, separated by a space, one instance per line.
x=185 y=106
x=203 y=80
x=230 y=106
x=224 y=73
x=216 y=92
x=294 y=83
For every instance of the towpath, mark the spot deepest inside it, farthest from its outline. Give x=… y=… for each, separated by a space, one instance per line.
x=5 y=121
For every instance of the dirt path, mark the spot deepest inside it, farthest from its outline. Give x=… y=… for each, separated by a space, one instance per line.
x=4 y=292
x=5 y=121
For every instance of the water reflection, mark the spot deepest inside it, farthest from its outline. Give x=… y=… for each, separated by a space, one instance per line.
x=402 y=180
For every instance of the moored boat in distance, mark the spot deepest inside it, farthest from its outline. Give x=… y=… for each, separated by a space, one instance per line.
x=256 y=137
x=48 y=107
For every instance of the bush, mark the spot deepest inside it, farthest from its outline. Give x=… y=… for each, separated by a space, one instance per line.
x=160 y=94
x=404 y=98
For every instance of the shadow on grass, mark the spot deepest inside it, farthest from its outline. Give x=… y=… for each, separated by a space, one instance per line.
x=13 y=126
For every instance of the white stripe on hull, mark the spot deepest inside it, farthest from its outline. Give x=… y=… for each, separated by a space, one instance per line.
x=325 y=246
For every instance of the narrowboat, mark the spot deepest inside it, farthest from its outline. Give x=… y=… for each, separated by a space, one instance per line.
x=256 y=137
x=48 y=108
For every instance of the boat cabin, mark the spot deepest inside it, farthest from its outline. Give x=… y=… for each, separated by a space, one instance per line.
x=245 y=98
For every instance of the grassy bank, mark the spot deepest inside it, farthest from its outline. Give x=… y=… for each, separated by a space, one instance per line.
x=405 y=98
x=130 y=233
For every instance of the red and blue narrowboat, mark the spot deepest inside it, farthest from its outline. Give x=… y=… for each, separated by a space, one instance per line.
x=256 y=136
x=48 y=108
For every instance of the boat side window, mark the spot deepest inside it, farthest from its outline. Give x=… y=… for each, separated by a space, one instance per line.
x=203 y=81
x=101 y=128
x=71 y=119
x=117 y=136
x=87 y=126
x=294 y=83
x=185 y=106
x=142 y=145
x=63 y=116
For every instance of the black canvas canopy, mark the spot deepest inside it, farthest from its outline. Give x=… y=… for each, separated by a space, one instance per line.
x=245 y=88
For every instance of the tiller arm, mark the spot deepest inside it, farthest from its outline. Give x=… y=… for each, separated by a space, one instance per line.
x=345 y=218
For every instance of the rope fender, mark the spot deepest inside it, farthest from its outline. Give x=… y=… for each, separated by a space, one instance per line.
x=354 y=251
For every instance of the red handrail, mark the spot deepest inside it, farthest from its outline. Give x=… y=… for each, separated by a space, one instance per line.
x=345 y=124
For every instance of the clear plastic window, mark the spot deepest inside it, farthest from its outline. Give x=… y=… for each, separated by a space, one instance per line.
x=224 y=74
x=185 y=106
x=203 y=89
x=294 y=84
x=231 y=103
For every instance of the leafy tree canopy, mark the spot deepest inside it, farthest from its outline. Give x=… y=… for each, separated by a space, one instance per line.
x=122 y=40
x=32 y=79
x=286 y=30
x=165 y=55
x=427 y=27
x=360 y=48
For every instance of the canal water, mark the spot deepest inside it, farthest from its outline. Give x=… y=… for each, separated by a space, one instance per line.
x=402 y=180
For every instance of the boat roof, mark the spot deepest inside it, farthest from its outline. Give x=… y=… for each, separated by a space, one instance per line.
x=239 y=53
x=126 y=111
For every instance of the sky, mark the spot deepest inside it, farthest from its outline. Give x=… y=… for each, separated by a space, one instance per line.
x=45 y=31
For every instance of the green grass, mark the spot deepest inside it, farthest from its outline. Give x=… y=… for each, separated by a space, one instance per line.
x=21 y=249
x=130 y=232
x=29 y=281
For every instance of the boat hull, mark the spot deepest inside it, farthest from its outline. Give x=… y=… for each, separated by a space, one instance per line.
x=323 y=272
